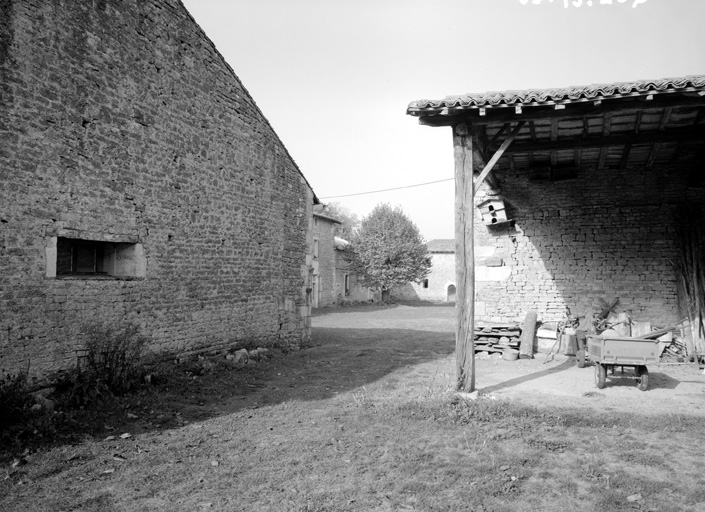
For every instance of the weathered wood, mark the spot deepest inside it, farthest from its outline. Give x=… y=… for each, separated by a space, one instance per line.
x=464 y=260
x=642 y=138
x=528 y=332
x=498 y=154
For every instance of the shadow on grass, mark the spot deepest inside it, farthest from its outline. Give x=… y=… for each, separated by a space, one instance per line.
x=336 y=361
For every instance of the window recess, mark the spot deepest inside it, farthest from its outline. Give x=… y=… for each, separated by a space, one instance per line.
x=94 y=258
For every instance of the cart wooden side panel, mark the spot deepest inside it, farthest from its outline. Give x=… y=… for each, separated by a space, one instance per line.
x=622 y=351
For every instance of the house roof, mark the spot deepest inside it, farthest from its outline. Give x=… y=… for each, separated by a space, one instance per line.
x=325 y=217
x=646 y=123
x=441 y=245
x=561 y=95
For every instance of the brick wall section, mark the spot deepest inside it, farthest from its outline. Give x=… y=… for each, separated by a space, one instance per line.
x=609 y=233
x=120 y=121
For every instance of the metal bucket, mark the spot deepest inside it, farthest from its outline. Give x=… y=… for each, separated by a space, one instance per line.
x=510 y=354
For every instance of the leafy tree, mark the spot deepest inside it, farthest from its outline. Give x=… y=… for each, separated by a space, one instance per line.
x=350 y=221
x=388 y=250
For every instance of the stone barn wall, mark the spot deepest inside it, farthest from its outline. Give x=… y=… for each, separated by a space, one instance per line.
x=608 y=233
x=122 y=125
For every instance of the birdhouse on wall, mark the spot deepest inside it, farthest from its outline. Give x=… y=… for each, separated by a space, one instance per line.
x=493 y=211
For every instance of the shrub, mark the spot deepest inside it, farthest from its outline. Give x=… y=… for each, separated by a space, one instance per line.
x=113 y=355
x=111 y=364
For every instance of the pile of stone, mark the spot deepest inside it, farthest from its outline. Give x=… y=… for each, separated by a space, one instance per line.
x=495 y=338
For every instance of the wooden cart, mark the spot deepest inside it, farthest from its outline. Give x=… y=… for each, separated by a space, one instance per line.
x=610 y=352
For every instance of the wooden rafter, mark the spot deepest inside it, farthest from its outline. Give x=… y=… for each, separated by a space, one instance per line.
x=665 y=118
x=625 y=156
x=499 y=133
x=637 y=123
x=603 y=158
x=673 y=135
x=652 y=155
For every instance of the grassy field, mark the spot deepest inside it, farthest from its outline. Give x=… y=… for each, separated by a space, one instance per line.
x=365 y=419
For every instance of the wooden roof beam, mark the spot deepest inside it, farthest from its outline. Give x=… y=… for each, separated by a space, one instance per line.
x=674 y=135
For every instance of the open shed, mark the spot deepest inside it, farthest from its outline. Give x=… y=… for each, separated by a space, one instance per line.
x=602 y=188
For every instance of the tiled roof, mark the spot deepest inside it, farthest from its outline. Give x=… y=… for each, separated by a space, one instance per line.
x=441 y=245
x=562 y=95
x=325 y=217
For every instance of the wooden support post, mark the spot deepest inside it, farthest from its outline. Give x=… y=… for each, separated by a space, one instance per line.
x=464 y=260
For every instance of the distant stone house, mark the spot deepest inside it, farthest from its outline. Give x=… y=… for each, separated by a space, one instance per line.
x=333 y=283
x=324 y=259
x=140 y=184
x=348 y=288
x=439 y=285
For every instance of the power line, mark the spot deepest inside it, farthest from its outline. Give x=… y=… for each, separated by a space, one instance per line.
x=387 y=189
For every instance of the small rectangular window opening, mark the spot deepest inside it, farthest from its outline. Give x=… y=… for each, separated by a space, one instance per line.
x=347 y=285
x=425 y=283
x=77 y=257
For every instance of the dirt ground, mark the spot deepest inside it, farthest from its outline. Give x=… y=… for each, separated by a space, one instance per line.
x=542 y=381
x=362 y=419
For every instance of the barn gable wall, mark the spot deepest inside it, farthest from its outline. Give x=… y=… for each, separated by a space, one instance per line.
x=120 y=123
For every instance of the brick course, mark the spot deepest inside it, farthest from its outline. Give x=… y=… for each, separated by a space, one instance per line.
x=119 y=121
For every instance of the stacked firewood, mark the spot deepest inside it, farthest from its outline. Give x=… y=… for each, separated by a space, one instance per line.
x=672 y=340
x=495 y=338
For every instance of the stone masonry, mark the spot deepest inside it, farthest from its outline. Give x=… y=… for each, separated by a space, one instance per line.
x=120 y=124
x=324 y=260
x=607 y=233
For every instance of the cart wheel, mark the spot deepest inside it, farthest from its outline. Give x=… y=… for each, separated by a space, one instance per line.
x=581 y=358
x=642 y=378
x=600 y=375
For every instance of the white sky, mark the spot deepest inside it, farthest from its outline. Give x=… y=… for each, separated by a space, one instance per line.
x=334 y=77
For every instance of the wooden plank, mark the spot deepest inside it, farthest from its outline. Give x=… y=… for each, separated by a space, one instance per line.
x=464 y=260
x=498 y=154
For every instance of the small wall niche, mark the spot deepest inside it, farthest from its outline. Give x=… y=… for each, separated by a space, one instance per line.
x=79 y=258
